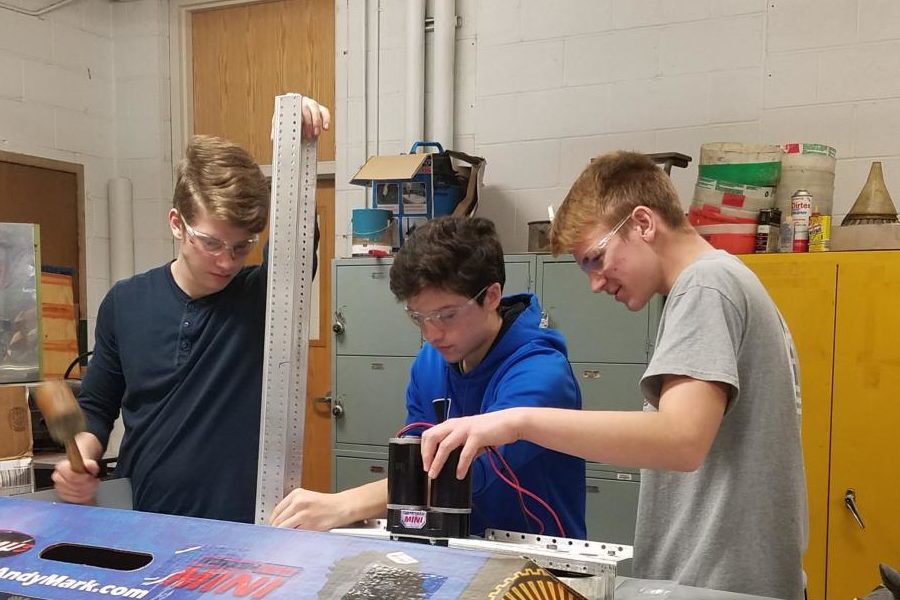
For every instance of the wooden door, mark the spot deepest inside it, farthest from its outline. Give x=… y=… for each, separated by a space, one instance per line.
x=866 y=425
x=805 y=291
x=243 y=56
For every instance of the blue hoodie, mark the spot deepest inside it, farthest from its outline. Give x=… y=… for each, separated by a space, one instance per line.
x=527 y=366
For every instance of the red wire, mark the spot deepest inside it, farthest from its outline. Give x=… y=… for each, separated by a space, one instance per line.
x=414 y=425
x=535 y=497
x=514 y=483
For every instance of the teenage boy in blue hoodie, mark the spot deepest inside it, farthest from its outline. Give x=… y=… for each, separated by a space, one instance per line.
x=484 y=353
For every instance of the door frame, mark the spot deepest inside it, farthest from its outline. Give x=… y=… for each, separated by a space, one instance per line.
x=77 y=170
x=180 y=59
x=182 y=88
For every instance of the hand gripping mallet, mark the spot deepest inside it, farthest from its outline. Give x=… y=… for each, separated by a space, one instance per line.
x=63 y=416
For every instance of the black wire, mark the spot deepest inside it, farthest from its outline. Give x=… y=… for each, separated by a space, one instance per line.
x=77 y=360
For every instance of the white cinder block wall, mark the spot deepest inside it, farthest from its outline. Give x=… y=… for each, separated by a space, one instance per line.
x=541 y=87
x=144 y=123
x=85 y=84
x=544 y=86
x=57 y=100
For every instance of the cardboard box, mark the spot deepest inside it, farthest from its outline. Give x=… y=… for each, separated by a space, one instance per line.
x=61 y=551
x=474 y=177
x=402 y=184
x=884 y=236
x=16 y=476
x=16 y=469
x=15 y=423
x=405 y=185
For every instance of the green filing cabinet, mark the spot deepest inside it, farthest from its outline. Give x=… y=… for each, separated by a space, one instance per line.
x=372 y=392
x=609 y=348
x=374 y=346
x=355 y=470
x=610 y=387
x=373 y=322
x=611 y=507
x=598 y=329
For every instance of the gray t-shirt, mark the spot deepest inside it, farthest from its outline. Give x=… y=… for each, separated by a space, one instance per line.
x=739 y=522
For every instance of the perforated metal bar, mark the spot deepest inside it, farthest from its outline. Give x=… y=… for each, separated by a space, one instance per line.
x=291 y=229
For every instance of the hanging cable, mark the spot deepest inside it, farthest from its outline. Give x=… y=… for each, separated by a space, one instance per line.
x=35 y=13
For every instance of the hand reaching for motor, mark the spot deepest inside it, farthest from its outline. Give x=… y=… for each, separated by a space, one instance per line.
x=473 y=434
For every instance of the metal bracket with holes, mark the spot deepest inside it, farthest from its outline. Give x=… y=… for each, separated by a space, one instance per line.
x=286 y=356
x=588 y=567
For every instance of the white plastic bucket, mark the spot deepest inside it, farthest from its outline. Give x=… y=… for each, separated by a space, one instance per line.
x=809 y=167
x=734 y=195
x=751 y=164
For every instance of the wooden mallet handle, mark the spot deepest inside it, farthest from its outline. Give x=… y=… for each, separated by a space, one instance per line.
x=63 y=417
x=74 y=456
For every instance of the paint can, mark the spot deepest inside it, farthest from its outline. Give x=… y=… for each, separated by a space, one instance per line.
x=819 y=233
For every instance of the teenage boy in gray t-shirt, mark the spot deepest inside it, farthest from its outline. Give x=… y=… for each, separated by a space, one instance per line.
x=723 y=492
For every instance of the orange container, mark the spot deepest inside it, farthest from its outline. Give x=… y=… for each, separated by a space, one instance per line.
x=708 y=214
x=736 y=239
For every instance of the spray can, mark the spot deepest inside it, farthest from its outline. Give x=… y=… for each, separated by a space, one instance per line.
x=801 y=210
x=819 y=232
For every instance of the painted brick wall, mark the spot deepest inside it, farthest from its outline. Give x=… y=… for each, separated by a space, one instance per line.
x=86 y=84
x=57 y=97
x=540 y=90
x=143 y=123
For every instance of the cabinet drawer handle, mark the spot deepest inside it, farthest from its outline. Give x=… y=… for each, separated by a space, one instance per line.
x=593 y=489
x=376 y=469
x=340 y=324
x=850 y=503
x=377 y=366
x=377 y=274
x=590 y=374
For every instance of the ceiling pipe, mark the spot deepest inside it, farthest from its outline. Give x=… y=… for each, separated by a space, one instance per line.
x=414 y=128
x=444 y=80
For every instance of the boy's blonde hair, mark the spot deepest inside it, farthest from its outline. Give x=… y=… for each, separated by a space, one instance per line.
x=609 y=189
x=223 y=179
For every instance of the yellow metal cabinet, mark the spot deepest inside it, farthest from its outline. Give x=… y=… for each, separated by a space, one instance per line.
x=865 y=426
x=844 y=314
x=805 y=295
